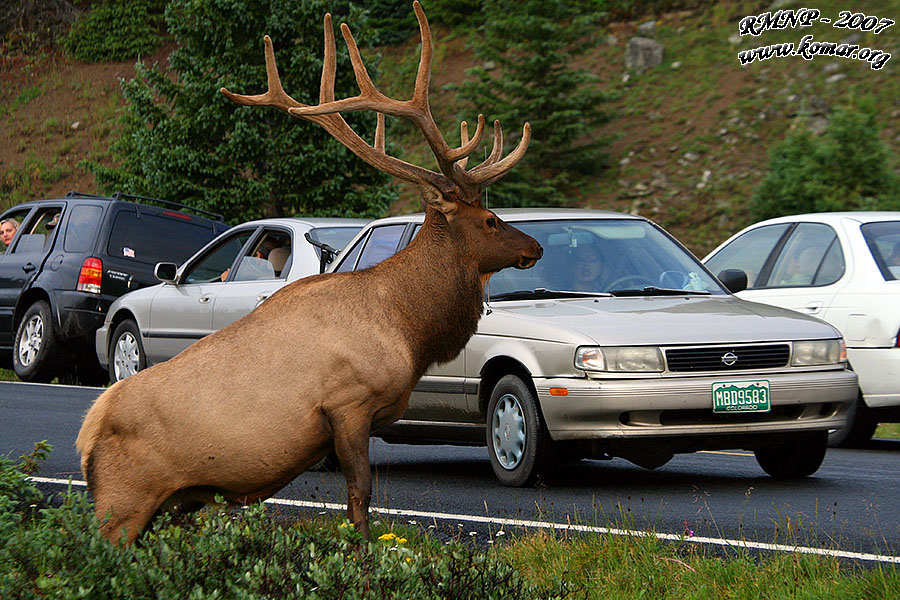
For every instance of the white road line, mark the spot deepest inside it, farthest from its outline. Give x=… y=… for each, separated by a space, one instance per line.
x=670 y=537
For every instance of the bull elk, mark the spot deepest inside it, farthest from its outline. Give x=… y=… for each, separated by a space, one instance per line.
x=238 y=414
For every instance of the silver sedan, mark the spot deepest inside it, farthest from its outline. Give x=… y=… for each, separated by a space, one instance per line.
x=221 y=283
x=619 y=343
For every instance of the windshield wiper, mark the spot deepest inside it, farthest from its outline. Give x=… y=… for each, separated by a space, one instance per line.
x=651 y=290
x=545 y=294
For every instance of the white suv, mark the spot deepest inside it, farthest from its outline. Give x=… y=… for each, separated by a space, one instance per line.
x=843 y=268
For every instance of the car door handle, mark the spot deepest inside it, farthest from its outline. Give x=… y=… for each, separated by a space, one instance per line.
x=814 y=307
x=28 y=267
x=204 y=299
x=262 y=297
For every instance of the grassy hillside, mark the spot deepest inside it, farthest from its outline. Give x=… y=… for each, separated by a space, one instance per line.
x=692 y=134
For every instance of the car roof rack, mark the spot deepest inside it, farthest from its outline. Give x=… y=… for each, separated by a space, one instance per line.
x=74 y=194
x=126 y=197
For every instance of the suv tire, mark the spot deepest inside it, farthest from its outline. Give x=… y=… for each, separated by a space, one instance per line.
x=36 y=349
x=126 y=351
x=800 y=456
x=517 y=440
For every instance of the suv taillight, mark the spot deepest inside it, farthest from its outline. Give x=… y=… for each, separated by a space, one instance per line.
x=91 y=276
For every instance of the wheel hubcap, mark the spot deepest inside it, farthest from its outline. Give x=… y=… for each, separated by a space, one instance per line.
x=30 y=342
x=508 y=432
x=126 y=358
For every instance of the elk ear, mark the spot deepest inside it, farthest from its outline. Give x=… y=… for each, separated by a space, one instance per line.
x=435 y=199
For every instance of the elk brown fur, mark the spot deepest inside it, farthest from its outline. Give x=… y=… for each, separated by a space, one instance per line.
x=323 y=361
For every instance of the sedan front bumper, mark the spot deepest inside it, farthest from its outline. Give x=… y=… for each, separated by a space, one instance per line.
x=661 y=407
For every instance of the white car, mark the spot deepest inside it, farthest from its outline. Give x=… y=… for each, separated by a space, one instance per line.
x=221 y=283
x=845 y=269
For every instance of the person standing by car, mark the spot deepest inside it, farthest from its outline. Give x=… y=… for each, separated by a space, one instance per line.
x=8 y=228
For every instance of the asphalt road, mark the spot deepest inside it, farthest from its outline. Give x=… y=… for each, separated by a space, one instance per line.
x=718 y=498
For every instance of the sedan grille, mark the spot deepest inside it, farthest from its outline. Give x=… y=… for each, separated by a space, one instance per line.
x=728 y=358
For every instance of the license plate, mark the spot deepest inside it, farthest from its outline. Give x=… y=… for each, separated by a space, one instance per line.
x=741 y=396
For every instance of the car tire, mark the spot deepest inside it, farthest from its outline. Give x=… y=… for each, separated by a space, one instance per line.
x=861 y=426
x=36 y=349
x=126 y=351
x=517 y=439
x=800 y=456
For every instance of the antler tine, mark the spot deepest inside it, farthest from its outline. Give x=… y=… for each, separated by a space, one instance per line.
x=496 y=150
x=329 y=64
x=379 y=133
x=275 y=96
x=488 y=172
x=463 y=139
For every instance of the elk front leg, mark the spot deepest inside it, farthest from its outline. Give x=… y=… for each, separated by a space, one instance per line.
x=351 y=444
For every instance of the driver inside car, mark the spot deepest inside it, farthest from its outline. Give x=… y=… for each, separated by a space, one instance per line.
x=588 y=268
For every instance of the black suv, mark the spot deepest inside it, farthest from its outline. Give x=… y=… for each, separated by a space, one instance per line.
x=69 y=259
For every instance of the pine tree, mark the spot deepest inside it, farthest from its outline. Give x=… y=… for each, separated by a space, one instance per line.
x=532 y=44
x=185 y=141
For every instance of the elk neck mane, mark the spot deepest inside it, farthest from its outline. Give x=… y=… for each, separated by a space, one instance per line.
x=437 y=292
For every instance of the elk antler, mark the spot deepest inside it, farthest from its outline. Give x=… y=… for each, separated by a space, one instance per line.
x=453 y=180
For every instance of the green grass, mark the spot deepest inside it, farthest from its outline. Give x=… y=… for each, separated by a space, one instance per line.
x=616 y=567
x=888 y=431
x=257 y=552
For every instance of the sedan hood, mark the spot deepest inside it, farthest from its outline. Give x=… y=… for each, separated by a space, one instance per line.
x=651 y=321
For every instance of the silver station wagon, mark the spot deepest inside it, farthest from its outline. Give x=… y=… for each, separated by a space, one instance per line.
x=619 y=343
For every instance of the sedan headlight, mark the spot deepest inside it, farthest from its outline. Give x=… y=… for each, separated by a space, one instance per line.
x=624 y=359
x=823 y=352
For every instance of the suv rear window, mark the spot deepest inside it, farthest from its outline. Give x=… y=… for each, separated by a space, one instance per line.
x=82 y=228
x=154 y=238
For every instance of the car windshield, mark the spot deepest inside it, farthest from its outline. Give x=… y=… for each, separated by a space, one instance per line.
x=606 y=257
x=883 y=239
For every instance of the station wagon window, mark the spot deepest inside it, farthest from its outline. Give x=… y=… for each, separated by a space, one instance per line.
x=812 y=256
x=382 y=244
x=748 y=252
x=216 y=264
x=350 y=261
x=36 y=234
x=883 y=239
x=82 y=228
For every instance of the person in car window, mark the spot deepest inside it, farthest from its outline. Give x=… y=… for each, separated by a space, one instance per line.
x=262 y=251
x=8 y=229
x=587 y=269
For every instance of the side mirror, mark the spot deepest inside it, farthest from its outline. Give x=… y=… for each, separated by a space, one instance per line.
x=165 y=272
x=734 y=280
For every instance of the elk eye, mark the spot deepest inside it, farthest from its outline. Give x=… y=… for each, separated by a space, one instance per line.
x=491 y=222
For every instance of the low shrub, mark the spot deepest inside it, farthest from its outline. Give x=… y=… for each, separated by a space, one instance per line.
x=56 y=552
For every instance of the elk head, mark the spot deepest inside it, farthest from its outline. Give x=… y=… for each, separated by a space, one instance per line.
x=452 y=195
